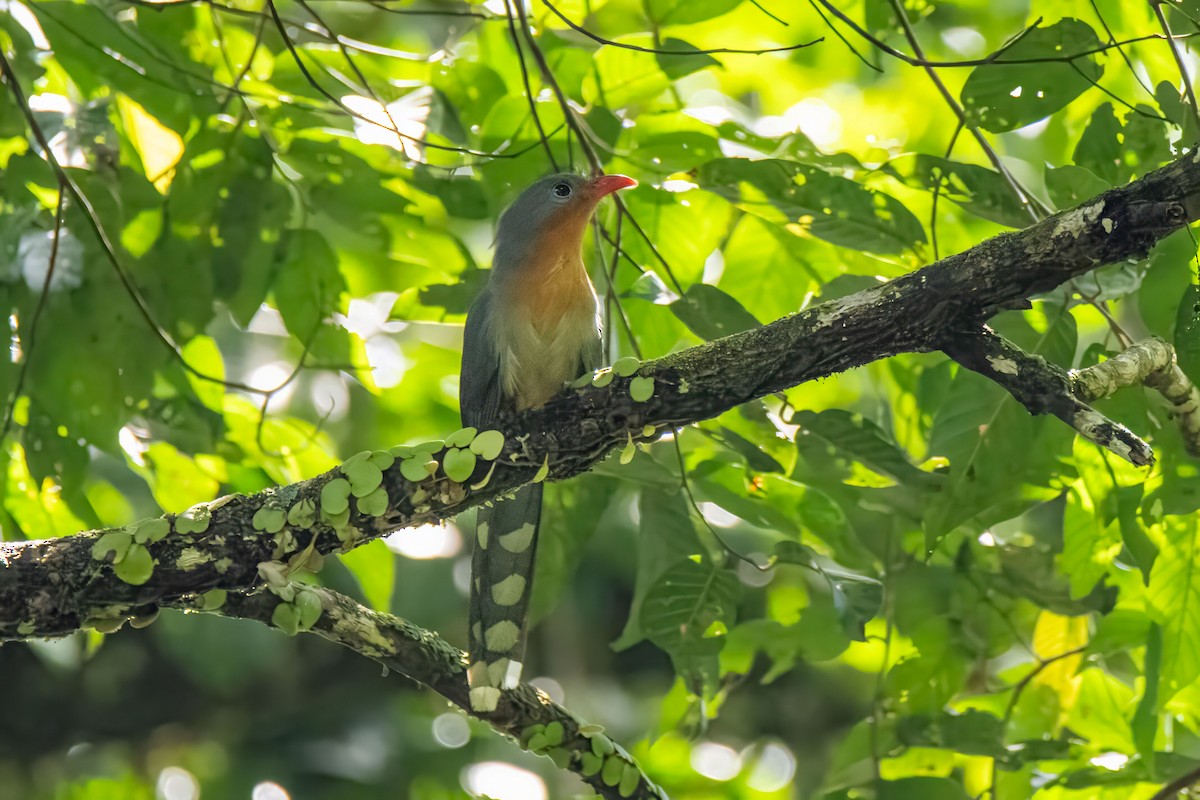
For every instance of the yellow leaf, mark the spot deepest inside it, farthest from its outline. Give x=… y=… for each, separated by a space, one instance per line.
x=159 y=147
x=1053 y=637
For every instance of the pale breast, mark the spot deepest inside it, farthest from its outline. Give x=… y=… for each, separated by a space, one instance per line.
x=542 y=345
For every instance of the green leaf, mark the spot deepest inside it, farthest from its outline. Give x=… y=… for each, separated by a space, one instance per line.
x=1173 y=601
x=458 y=464
x=973 y=731
x=921 y=788
x=1187 y=334
x=981 y=191
x=1002 y=461
x=1099 y=147
x=676 y=66
x=309 y=286
x=710 y=313
x=1090 y=543
x=1003 y=97
x=136 y=567
x=686 y=12
x=623 y=77
x=373 y=565
x=855 y=437
x=1070 y=186
x=809 y=200
x=678 y=613
x=1145 y=718
x=665 y=535
x=250 y=228
x=856 y=597
x=488 y=444
x=1115 y=151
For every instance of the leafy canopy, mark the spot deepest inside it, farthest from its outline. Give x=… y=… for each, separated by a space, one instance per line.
x=271 y=218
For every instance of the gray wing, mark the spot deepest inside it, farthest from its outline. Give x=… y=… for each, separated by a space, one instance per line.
x=479 y=395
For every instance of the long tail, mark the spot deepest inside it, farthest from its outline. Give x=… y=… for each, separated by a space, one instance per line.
x=502 y=570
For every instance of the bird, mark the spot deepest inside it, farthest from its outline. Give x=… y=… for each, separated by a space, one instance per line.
x=534 y=327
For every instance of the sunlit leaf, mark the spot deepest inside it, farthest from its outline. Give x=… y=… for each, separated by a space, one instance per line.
x=1002 y=97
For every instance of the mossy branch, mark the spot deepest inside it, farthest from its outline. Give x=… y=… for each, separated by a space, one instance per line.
x=526 y=715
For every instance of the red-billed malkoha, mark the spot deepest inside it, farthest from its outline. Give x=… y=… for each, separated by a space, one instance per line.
x=533 y=328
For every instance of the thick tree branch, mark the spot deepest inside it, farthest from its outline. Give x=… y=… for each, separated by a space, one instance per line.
x=525 y=714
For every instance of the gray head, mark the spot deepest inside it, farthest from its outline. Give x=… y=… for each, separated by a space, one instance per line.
x=551 y=214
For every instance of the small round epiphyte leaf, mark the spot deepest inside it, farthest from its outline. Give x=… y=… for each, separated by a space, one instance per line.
x=364 y=477
x=136 y=567
x=613 y=770
x=374 y=504
x=382 y=459
x=583 y=380
x=488 y=445
x=590 y=764
x=357 y=458
x=413 y=469
x=628 y=451
x=602 y=745
x=461 y=437
x=554 y=733
x=150 y=530
x=626 y=366
x=269 y=519
x=286 y=618
x=602 y=378
x=335 y=496
x=630 y=778
x=337 y=521
x=308 y=608
x=213 y=599
x=303 y=514
x=402 y=451
x=641 y=389
x=194 y=520
x=526 y=733
x=115 y=542
x=458 y=464
x=430 y=447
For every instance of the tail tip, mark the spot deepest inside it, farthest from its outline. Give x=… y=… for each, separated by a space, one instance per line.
x=484 y=698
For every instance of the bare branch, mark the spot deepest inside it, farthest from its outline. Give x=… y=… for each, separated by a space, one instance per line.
x=1044 y=388
x=1150 y=362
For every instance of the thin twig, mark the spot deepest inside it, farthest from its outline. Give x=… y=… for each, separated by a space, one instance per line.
x=1178 y=56
x=533 y=111
x=30 y=342
x=667 y=52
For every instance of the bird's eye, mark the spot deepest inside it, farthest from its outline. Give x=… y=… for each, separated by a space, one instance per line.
x=562 y=190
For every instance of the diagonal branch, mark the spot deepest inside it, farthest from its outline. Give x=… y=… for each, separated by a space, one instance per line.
x=1044 y=388
x=525 y=714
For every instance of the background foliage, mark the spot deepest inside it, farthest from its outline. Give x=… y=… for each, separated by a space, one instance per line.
x=270 y=221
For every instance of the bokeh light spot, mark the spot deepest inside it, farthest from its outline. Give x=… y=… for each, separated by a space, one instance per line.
x=502 y=781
